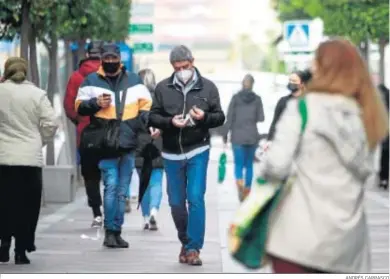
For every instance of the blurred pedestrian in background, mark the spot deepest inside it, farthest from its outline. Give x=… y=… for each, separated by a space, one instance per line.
x=244 y=113
x=295 y=86
x=384 y=163
x=321 y=224
x=28 y=122
x=89 y=161
x=149 y=143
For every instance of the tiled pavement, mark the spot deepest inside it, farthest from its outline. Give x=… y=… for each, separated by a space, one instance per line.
x=61 y=248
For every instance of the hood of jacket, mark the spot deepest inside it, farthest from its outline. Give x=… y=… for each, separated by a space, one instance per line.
x=342 y=126
x=247 y=96
x=88 y=66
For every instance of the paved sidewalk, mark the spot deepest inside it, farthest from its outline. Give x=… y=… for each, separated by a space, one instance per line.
x=61 y=249
x=377 y=208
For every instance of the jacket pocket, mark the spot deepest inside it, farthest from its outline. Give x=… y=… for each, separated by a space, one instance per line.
x=201 y=102
x=92 y=137
x=127 y=136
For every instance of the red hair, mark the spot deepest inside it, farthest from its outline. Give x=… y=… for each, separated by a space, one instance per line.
x=340 y=69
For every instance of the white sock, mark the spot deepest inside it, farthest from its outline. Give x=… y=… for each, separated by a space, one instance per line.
x=154 y=212
x=146 y=219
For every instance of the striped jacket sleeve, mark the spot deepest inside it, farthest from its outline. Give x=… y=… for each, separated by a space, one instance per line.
x=86 y=104
x=144 y=103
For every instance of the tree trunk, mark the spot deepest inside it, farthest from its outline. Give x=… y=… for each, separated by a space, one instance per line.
x=81 y=49
x=24 y=30
x=52 y=88
x=382 y=46
x=68 y=59
x=364 y=49
x=33 y=58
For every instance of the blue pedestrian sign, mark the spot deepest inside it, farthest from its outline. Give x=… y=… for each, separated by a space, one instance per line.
x=297 y=33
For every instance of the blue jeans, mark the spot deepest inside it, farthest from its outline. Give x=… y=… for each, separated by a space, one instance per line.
x=244 y=156
x=116 y=175
x=186 y=181
x=153 y=195
x=128 y=190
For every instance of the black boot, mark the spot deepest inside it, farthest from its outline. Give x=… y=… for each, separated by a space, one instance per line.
x=110 y=240
x=4 y=251
x=21 y=258
x=120 y=241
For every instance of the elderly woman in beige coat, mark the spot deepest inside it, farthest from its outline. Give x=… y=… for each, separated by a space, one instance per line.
x=27 y=123
x=321 y=225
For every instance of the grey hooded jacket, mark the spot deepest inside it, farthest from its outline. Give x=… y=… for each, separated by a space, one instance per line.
x=245 y=111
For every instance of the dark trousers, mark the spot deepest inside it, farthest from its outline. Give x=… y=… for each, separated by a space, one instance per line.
x=91 y=174
x=384 y=172
x=20 y=204
x=283 y=266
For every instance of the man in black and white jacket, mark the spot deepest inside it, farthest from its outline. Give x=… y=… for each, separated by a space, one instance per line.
x=185 y=107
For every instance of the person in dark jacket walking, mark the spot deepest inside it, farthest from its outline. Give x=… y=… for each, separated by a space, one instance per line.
x=89 y=163
x=113 y=93
x=151 y=200
x=185 y=107
x=384 y=171
x=244 y=113
x=295 y=86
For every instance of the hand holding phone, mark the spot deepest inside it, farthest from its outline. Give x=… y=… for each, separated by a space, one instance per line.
x=180 y=122
x=196 y=113
x=104 y=100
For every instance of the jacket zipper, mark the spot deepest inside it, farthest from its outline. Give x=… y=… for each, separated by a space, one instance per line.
x=181 y=129
x=184 y=110
x=114 y=88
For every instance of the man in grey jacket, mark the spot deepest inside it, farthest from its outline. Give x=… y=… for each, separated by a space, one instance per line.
x=245 y=111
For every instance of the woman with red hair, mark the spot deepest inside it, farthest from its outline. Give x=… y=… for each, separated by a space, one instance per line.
x=321 y=225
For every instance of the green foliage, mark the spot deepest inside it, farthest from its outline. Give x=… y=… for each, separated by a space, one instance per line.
x=10 y=15
x=120 y=16
x=94 y=19
x=69 y=19
x=287 y=10
x=355 y=19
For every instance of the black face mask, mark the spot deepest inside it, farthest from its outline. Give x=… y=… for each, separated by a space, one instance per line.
x=111 y=67
x=293 y=87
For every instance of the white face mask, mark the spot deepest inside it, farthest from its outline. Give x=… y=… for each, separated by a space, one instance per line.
x=184 y=75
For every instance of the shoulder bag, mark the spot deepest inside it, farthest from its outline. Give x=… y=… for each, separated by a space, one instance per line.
x=249 y=229
x=101 y=137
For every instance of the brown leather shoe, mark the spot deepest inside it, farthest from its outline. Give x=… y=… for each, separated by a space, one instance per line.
x=240 y=189
x=193 y=258
x=183 y=256
x=245 y=193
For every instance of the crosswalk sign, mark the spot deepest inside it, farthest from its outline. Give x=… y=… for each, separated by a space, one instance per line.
x=297 y=33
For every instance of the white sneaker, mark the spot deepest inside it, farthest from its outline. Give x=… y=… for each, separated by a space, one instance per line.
x=153 y=224
x=146 y=223
x=154 y=212
x=97 y=222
